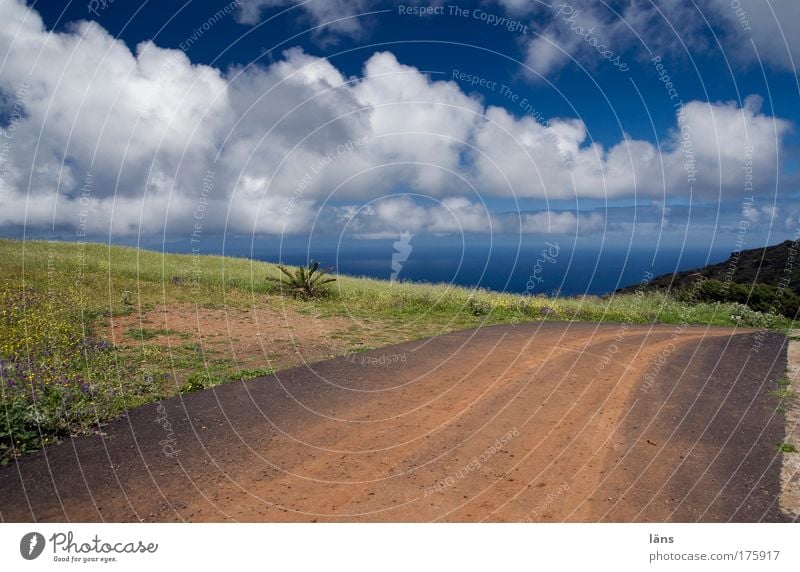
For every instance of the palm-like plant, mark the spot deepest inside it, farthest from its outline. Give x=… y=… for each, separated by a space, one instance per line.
x=304 y=282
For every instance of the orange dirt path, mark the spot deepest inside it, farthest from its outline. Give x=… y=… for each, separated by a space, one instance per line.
x=536 y=422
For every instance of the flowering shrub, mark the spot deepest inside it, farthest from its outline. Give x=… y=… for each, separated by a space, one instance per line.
x=55 y=380
x=479 y=307
x=744 y=315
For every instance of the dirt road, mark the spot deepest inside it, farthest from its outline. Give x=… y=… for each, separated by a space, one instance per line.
x=537 y=422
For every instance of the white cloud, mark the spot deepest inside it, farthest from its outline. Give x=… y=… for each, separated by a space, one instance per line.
x=566 y=36
x=557 y=161
x=638 y=28
x=565 y=222
x=761 y=215
x=91 y=106
x=338 y=17
x=392 y=215
x=771 y=25
x=457 y=215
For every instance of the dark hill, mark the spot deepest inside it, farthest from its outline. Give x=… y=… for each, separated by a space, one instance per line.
x=770 y=265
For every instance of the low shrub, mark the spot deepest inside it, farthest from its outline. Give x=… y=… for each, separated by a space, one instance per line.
x=55 y=380
x=303 y=282
x=478 y=307
x=762 y=298
x=198 y=381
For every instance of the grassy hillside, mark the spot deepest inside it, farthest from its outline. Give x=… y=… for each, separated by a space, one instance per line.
x=66 y=366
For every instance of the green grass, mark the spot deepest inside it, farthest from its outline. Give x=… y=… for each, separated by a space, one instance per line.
x=359 y=350
x=206 y=380
x=787 y=448
x=59 y=379
x=784 y=390
x=117 y=280
x=783 y=393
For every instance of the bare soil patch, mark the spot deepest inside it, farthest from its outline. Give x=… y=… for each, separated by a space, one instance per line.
x=263 y=337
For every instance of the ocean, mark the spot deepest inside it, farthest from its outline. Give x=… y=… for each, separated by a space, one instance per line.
x=540 y=266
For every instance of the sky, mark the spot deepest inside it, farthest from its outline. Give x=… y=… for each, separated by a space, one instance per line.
x=626 y=124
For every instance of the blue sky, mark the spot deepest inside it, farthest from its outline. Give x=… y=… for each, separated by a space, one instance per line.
x=362 y=119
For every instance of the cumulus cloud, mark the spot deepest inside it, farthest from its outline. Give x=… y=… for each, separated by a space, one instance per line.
x=93 y=108
x=705 y=155
x=144 y=141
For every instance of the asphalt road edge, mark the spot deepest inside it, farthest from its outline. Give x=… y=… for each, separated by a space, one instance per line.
x=790 y=465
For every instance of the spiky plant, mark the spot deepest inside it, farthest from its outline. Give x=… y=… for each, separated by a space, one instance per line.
x=304 y=282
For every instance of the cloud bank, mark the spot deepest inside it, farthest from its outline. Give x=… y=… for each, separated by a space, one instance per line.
x=112 y=141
